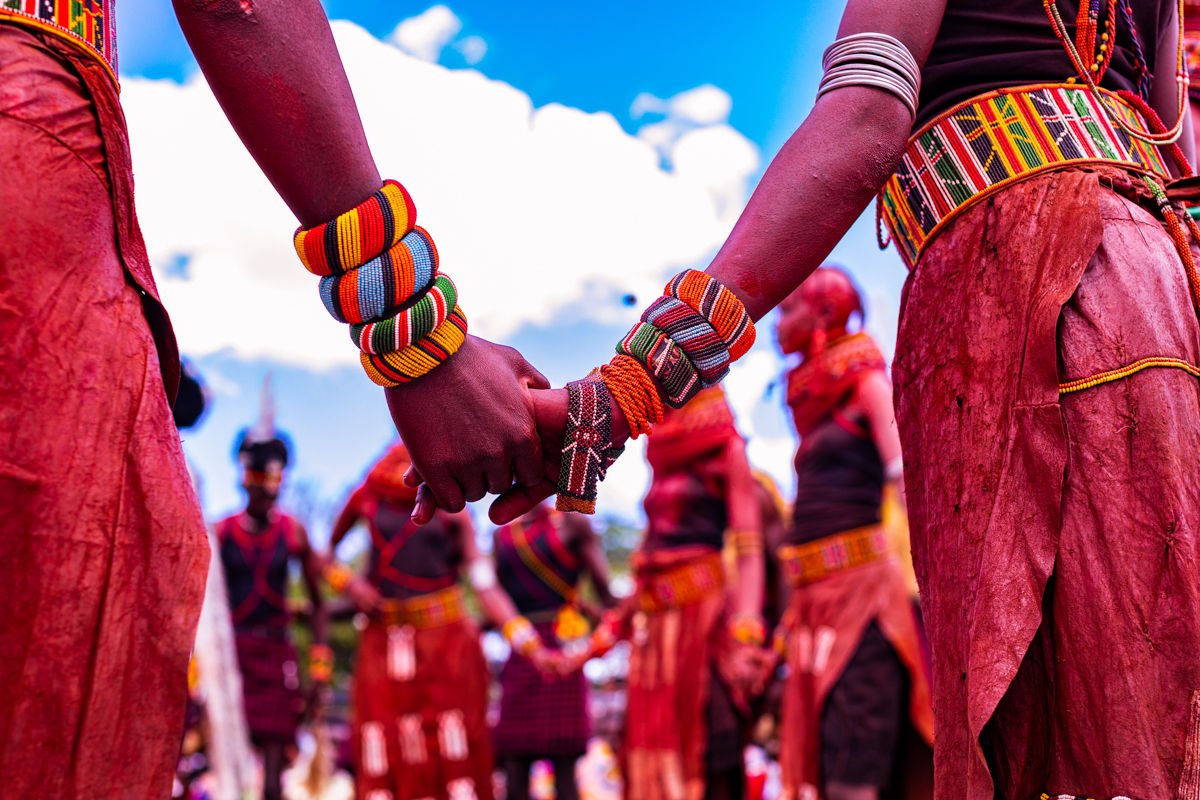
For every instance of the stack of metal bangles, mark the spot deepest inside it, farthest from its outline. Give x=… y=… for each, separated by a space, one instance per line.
x=379 y=273
x=685 y=342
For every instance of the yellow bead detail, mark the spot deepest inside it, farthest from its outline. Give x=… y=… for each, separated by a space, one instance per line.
x=1126 y=371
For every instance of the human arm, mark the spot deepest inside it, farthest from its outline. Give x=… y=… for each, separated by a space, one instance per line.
x=274 y=68
x=585 y=545
x=354 y=510
x=874 y=396
x=744 y=517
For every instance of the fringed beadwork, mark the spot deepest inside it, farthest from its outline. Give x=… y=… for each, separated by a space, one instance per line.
x=410 y=325
x=383 y=284
x=364 y=232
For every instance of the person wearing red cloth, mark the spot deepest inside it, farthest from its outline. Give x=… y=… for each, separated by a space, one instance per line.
x=540 y=559
x=856 y=680
x=100 y=531
x=421 y=681
x=257 y=547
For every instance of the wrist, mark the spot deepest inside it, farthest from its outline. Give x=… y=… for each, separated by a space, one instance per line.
x=748 y=629
x=522 y=636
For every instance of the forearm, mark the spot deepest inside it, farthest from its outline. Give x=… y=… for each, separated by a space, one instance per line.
x=275 y=70
x=752 y=577
x=497 y=606
x=813 y=191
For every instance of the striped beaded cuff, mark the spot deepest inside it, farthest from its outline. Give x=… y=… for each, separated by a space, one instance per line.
x=361 y=234
x=410 y=325
x=383 y=284
x=587 y=445
x=410 y=363
x=718 y=305
x=744 y=543
x=665 y=361
x=698 y=340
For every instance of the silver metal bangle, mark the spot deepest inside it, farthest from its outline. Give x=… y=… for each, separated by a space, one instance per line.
x=872 y=59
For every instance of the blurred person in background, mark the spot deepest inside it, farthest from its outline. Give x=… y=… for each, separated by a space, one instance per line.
x=540 y=560
x=856 y=673
x=257 y=547
x=421 y=681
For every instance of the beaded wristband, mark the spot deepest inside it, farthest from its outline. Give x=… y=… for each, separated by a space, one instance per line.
x=320 y=662
x=410 y=325
x=698 y=340
x=634 y=390
x=587 y=445
x=383 y=284
x=666 y=362
x=521 y=634
x=718 y=305
x=748 y=629
x=745 y=543
x=410 y=363
x=338 y=576
x=361 y=234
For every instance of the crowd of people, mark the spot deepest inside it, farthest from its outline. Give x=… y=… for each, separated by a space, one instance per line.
x=1032 y=164
x=733 y=594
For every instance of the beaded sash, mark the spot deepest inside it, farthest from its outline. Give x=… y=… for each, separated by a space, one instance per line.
x=425 y=611
x=682 y=585
x=830 y=555
x=991 y=141
x=90 y=25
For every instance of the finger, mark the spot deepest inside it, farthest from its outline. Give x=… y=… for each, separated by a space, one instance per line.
x=519 y=499
x=448 y=493
x=412 y=477
x=474 y=487
x=498 y=478
x=526 y=373
x=528 y=465
x=425 y=506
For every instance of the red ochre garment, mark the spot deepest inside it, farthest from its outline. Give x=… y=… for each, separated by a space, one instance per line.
x=101 y=539
x=1055 y=538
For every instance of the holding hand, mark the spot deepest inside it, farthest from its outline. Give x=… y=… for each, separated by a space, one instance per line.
x=470 y=426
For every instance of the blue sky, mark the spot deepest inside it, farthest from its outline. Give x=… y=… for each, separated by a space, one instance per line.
x=765 y=56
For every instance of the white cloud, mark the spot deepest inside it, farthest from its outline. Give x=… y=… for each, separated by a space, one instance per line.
x=473 y=49
x=424 y=35
x=538 y=213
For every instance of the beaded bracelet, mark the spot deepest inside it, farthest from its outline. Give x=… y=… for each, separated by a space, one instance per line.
x=698 y=340
x=745 y=543
x=634 y=390
x=361 y=234
x=383 y=284
x=320 y=662
x=665 y=361
x=521 y=634
x=718 y=305
x=338 y=576
x=410 y=363
x=587 y=445
x=748 y=629
x=410 y=325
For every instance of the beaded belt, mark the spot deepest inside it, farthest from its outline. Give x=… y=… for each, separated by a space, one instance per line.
x=87 y=24
x=425 y=611
x=682 y=585
x=996 y=139
x=810 y=562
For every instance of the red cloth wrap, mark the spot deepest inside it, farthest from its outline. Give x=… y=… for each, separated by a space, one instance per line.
x=705 y=424
x=100 y=533
x=541 y=716
x=1009 y=485
x=451 y=674
x=270 y=685
x=844 y=605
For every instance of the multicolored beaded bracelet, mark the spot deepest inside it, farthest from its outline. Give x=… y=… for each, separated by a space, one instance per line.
x=634 y=390
x=671 y=369
x=410 y=363
x=587 y=445
x=698 y=340
x=383 y=284
x=721 y=307
x=411 y=324
x=364 y=232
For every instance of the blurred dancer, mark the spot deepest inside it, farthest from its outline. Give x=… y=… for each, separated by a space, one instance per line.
x=695 y=650
x=256 y=548
x=540 y=559
x=420 y=687
x=850 y=634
